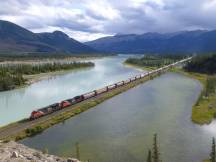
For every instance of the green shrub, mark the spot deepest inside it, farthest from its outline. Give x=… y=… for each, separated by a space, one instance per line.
x=33 y=131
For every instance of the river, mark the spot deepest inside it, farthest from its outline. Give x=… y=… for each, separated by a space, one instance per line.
x=121 y=129
x=19 y=103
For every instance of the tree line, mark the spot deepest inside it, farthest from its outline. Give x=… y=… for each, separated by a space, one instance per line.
x=154 y=60
x=12 y=76
x=205 y=64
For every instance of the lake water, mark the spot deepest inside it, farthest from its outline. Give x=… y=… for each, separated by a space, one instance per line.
x=121 y=129
x=18 y=104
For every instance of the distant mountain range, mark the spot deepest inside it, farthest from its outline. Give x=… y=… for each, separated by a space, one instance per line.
x=14 y=38
x=199 y=41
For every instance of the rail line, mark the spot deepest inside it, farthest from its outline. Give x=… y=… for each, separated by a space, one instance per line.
x=44 y=114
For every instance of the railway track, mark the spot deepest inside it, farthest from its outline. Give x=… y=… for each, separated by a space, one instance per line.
x=16 y=128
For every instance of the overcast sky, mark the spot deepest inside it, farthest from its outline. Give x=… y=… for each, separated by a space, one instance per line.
x=90 y=19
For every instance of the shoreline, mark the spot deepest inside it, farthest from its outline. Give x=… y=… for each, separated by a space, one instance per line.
x=31 y=79
x=139 y=67
x=204 y=109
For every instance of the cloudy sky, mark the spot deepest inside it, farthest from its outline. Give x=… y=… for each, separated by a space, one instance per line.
x=90 y=19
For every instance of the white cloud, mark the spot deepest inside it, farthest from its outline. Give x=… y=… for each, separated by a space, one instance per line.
x=86 y=20
x=78 y=35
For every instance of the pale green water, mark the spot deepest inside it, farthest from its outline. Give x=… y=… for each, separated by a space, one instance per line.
x=18 y=104
x=121 y=129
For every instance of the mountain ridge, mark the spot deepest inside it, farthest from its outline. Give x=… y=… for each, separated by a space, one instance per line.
x=197 y=41
x=14 y=38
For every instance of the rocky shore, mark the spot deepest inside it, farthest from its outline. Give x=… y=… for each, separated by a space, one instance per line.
x=14 y=152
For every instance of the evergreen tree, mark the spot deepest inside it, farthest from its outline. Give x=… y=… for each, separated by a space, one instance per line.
x=77 y=151
x=149 y=158
x=156 y=154
x=213 y=155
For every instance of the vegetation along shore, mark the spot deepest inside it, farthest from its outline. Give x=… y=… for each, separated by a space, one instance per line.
x=204 y=111
x=152 y=62
x=17 y=75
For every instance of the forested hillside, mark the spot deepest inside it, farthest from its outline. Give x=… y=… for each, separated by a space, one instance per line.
x=198 y=41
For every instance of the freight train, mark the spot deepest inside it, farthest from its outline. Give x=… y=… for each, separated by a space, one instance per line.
x=69 y=102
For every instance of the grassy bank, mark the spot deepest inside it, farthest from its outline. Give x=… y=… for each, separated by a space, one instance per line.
x=204 y=110
x=51 y=120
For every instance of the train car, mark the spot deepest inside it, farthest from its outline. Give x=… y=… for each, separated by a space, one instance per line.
x=72 y=101
x=55 y=106
x=120 y=83
x=127 y=81
x=46 y=110
x=113 y=86
x=138 y=77
x=133 y=79
x=144 y=75
x=79 y=98
x=102 y=90
x=89 y=95
x=36 y=114
x=65 y=104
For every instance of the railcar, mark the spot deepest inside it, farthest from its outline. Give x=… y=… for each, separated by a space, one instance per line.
x=103 y=90
x=72 y=101
x=138 y=77
x=46 y=110
x=127 y=81
x=36 y=114
x=89 y=95
x=65 y=104
x=79 y=98
x=132 y=79
x=113 y=86
x=120 y=83
x=55 y=106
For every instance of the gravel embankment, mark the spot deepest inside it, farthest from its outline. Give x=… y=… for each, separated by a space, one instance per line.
x=14 y=152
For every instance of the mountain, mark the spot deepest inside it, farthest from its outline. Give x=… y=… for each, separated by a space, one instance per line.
x=14 y=38
x=198 y=41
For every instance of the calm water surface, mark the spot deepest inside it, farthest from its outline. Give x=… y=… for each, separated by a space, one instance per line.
x=18 y=104
x=121 y=129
